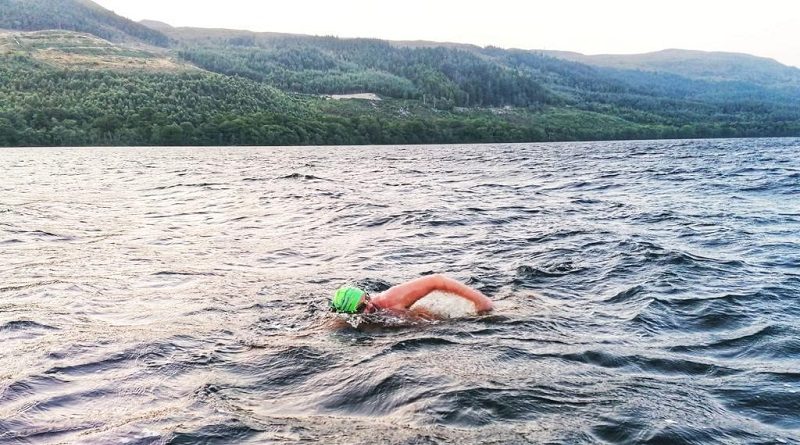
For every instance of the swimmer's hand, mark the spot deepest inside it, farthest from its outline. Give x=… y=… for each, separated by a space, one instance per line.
x=403 y=296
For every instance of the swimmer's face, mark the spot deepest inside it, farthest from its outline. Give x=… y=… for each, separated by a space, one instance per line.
x=365 y=306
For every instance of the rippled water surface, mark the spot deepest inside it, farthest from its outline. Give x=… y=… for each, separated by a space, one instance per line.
x=646 y=292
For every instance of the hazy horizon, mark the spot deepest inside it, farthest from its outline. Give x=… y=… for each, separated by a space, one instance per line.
x=613 y=27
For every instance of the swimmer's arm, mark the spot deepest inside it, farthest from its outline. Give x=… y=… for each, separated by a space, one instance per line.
x=405 y=295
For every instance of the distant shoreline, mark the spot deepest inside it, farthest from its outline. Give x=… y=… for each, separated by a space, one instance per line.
x=400 y=145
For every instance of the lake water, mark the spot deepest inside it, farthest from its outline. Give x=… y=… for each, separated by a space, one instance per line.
x=646 y=292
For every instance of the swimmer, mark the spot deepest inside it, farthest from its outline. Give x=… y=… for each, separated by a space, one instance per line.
x=352 y=300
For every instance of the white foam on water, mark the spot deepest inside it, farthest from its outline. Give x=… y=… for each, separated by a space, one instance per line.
x=446 y=305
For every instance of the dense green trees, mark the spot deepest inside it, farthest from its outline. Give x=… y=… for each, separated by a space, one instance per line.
x=444 y=77
x=44 y=106
x=266 y=89
x=447 y=77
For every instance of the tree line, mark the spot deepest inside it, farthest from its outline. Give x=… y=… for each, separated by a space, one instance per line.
x=46 y=106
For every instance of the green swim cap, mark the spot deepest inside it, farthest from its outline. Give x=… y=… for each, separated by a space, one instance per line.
x=346 y=299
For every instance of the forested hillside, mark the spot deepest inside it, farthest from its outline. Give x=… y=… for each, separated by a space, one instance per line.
x=227 y=87
x=75 y=15
x=457 y=76
x=329 y=65
x=704 y=65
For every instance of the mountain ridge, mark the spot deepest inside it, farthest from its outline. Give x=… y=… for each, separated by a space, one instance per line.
x=733 y=68
x=707 y=65
x=621 y=61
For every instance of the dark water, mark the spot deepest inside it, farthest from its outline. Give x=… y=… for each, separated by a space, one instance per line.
x=647 y=292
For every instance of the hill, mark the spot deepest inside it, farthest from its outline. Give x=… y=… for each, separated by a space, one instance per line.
x=325 y=65
x=67 y=49
x=155 y=24
x=99 y=79
x=76 y=15
x=45 y=101
x=449 y=74
x=713 y=66
x=457 y=76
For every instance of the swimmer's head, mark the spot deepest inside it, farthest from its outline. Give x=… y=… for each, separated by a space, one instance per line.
x=350 y=300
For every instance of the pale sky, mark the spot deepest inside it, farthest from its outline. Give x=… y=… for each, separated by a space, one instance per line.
x=768 y=28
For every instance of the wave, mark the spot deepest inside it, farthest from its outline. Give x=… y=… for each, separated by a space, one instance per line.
x=302 y=176
x=771 y=341
x=25 y=325
x=189 y=185
x=658 y=365
x=642 y=296
x=526 y=274
x=625 y=295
